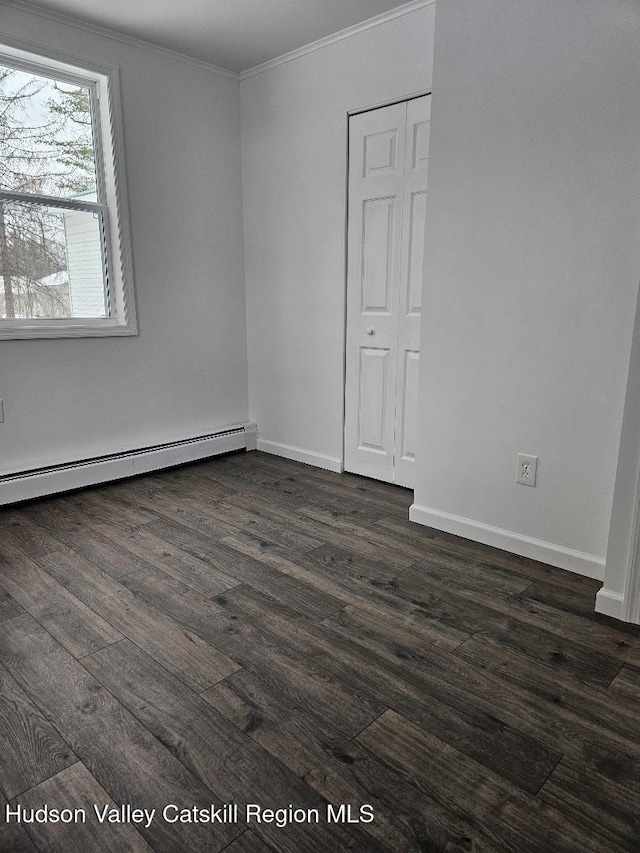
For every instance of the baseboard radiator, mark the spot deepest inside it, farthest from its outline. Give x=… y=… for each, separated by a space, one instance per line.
x=39 y=482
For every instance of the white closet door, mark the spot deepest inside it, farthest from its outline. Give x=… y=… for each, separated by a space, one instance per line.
x=376 y=178
x=411 y=270
x=387 y=181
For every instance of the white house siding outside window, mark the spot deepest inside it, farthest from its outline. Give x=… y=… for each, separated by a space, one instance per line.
x=65 y=266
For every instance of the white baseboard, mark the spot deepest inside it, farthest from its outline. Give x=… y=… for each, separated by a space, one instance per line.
x=611 y=603
x=536 y=549
x=26 y=485
x=298 y=454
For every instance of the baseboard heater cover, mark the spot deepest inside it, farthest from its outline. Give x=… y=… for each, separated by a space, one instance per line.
x=39 y=482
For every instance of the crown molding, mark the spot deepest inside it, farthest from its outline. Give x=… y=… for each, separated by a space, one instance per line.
x=384 y=18
x=105 y=32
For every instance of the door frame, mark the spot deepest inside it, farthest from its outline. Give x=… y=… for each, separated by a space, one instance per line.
x=620 y=594
x=355 y=112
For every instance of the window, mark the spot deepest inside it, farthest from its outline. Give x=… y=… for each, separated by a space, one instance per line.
x=65 y=267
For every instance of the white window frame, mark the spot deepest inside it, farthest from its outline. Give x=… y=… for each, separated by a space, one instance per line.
x=112 y=209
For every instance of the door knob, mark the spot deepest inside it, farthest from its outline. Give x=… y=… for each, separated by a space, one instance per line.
x=370 y=330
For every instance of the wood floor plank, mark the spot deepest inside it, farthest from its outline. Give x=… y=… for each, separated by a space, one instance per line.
x=445 y=568
x=365 y=504
x=197 y=663
x=184 y=511
x=303 y=681
x=596 y=706
x=504 y=811
x=65 y=524
x=339 y=506
x=200 y=575
x=404 y=554
x=340 y=561
x=248 y=843
x=305 y=598
x=127 y=761
x=568 y=601
x=343 y=772
x=13 y=837
x=334 y=574
x=627 y=682
x=103 y=503
x=569 y=719
x=322 y=529
x=394 y=680
x=344 y=484
x=338 y=769
x=289 y=630
x=258 y=522
x=9 y=607
x=395 y=638
x=71 y=622
x=258 y=483
x=208 y=745
x=561 y=658
x=75 y=788
x=599 y=801
x=16 y=528
x=32 y=750
x=535 y=570
x=484 y=555
x=479 y=610
x=280 y=534
x=256 y=472
x=198 y=545
x=191 y=482
x=247 y=701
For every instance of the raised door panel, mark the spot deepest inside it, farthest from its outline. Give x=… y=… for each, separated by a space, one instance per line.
x=378 y=249
x=406 y=438
x=420 y=142
x=380 y=153
x=417 y=207
x=373 y=399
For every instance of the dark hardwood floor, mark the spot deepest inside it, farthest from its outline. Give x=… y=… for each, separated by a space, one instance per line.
x=250 y=630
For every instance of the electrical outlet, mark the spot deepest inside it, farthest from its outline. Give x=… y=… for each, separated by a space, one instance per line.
x=527 y=469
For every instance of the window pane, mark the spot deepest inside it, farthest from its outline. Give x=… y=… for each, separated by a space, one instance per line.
x=46 y=138
x=51 y=263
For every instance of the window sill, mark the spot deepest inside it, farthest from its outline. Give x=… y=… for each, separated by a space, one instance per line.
x=12 y=330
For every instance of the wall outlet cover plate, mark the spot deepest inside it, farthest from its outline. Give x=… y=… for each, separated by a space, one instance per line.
x=527 y=469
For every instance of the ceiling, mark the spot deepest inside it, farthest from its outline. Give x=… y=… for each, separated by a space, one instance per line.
x=233 y=34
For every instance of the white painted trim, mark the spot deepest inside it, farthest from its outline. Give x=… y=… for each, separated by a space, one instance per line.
x=112 y=185
x=622 y=575
x=251 y=434
x=630 y=606
x=384 y=18
x=105 y=32
x=309 y=457
x=76 y=475
x=611 y=603
x=507 y=540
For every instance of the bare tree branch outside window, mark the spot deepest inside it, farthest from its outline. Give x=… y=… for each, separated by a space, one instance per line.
x=46 y=148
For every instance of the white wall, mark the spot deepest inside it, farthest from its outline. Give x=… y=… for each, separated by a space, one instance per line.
x=294 y=147
x=533 y=258
x=186 y=371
